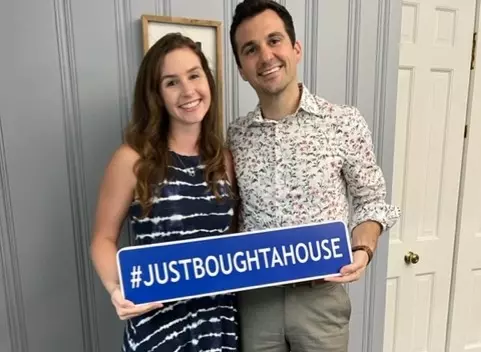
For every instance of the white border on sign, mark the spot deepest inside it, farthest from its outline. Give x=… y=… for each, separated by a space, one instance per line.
x=346 y=232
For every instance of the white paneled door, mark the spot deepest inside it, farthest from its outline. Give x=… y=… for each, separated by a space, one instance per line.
x=464 y=332
x=433 y=86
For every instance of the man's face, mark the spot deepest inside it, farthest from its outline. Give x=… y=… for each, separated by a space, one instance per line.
x=267 y=57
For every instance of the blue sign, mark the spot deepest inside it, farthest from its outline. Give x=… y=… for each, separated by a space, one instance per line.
x=234 y=262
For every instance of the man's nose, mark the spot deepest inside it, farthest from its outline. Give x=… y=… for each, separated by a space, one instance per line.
x=266 y=54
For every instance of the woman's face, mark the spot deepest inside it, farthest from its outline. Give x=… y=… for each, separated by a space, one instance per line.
x=184 y=87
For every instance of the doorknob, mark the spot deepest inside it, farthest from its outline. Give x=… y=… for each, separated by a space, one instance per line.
x=411 y=258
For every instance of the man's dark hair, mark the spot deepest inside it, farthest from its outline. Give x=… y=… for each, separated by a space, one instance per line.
x=251 y=8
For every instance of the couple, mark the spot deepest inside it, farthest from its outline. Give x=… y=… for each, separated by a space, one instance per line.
x=291 y=161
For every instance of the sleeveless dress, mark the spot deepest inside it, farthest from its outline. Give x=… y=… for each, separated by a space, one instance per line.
x=188 y=209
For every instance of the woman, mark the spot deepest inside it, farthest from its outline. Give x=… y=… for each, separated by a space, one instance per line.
x=173 y=163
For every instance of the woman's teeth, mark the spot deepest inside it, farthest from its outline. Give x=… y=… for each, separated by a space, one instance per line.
x=191 y=104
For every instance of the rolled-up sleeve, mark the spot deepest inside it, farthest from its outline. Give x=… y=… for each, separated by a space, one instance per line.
x=365 y=179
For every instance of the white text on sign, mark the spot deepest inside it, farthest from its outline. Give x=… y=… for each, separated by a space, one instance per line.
x=240 y=261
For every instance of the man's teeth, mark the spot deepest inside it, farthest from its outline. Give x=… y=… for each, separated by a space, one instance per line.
x=272 y=70
x=190 y=105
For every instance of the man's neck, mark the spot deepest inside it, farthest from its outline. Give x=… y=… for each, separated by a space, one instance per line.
x=276 y=107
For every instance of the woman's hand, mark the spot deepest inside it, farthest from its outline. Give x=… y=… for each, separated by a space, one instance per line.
x=126 y=309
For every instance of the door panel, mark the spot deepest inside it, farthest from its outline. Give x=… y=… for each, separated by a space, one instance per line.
x=465 y=319
x=433 y=87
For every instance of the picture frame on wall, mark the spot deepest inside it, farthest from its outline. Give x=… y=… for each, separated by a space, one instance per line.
x=206 y=33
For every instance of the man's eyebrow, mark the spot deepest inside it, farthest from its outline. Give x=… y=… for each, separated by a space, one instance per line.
x=275 y=34
x=252 y=42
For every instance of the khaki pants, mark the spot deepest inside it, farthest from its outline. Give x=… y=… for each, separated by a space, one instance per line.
x=296 y=319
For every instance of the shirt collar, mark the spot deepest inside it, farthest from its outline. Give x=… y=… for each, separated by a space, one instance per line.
x=308 y=104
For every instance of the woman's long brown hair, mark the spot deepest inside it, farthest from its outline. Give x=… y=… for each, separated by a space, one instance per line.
x=148 y=130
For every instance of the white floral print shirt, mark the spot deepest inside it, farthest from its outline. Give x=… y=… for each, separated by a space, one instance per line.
x=298 y=170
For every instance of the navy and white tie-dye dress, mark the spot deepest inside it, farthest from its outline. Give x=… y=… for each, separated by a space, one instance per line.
x=184 y=208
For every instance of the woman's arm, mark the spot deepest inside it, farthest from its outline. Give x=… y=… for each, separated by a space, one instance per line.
x=115 y=197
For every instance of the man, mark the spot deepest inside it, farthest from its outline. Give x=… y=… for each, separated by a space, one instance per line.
x=296 y=155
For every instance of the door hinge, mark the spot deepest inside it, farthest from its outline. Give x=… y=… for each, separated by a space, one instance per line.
x=465 y=131
x=473 y=54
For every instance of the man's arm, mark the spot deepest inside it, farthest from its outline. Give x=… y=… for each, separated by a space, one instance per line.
x=366 y=234
x=366 y=184
x=364 y=177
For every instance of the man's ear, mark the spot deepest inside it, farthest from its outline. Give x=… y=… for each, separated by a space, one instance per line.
x=298 y=50
x=241 y=72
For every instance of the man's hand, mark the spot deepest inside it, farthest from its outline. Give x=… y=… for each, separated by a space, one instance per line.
x=352 y=272
x=367 y=234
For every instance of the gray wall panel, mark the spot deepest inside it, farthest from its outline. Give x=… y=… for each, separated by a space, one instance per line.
x=33 y=135
x=13 y=334
x=361 y=53
x=385 y=112
x=298 y=11
x=207 y=9
x=329 y=54
x=101 y=94
x=12 y=320
x=364 y=89
x=4 y=328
